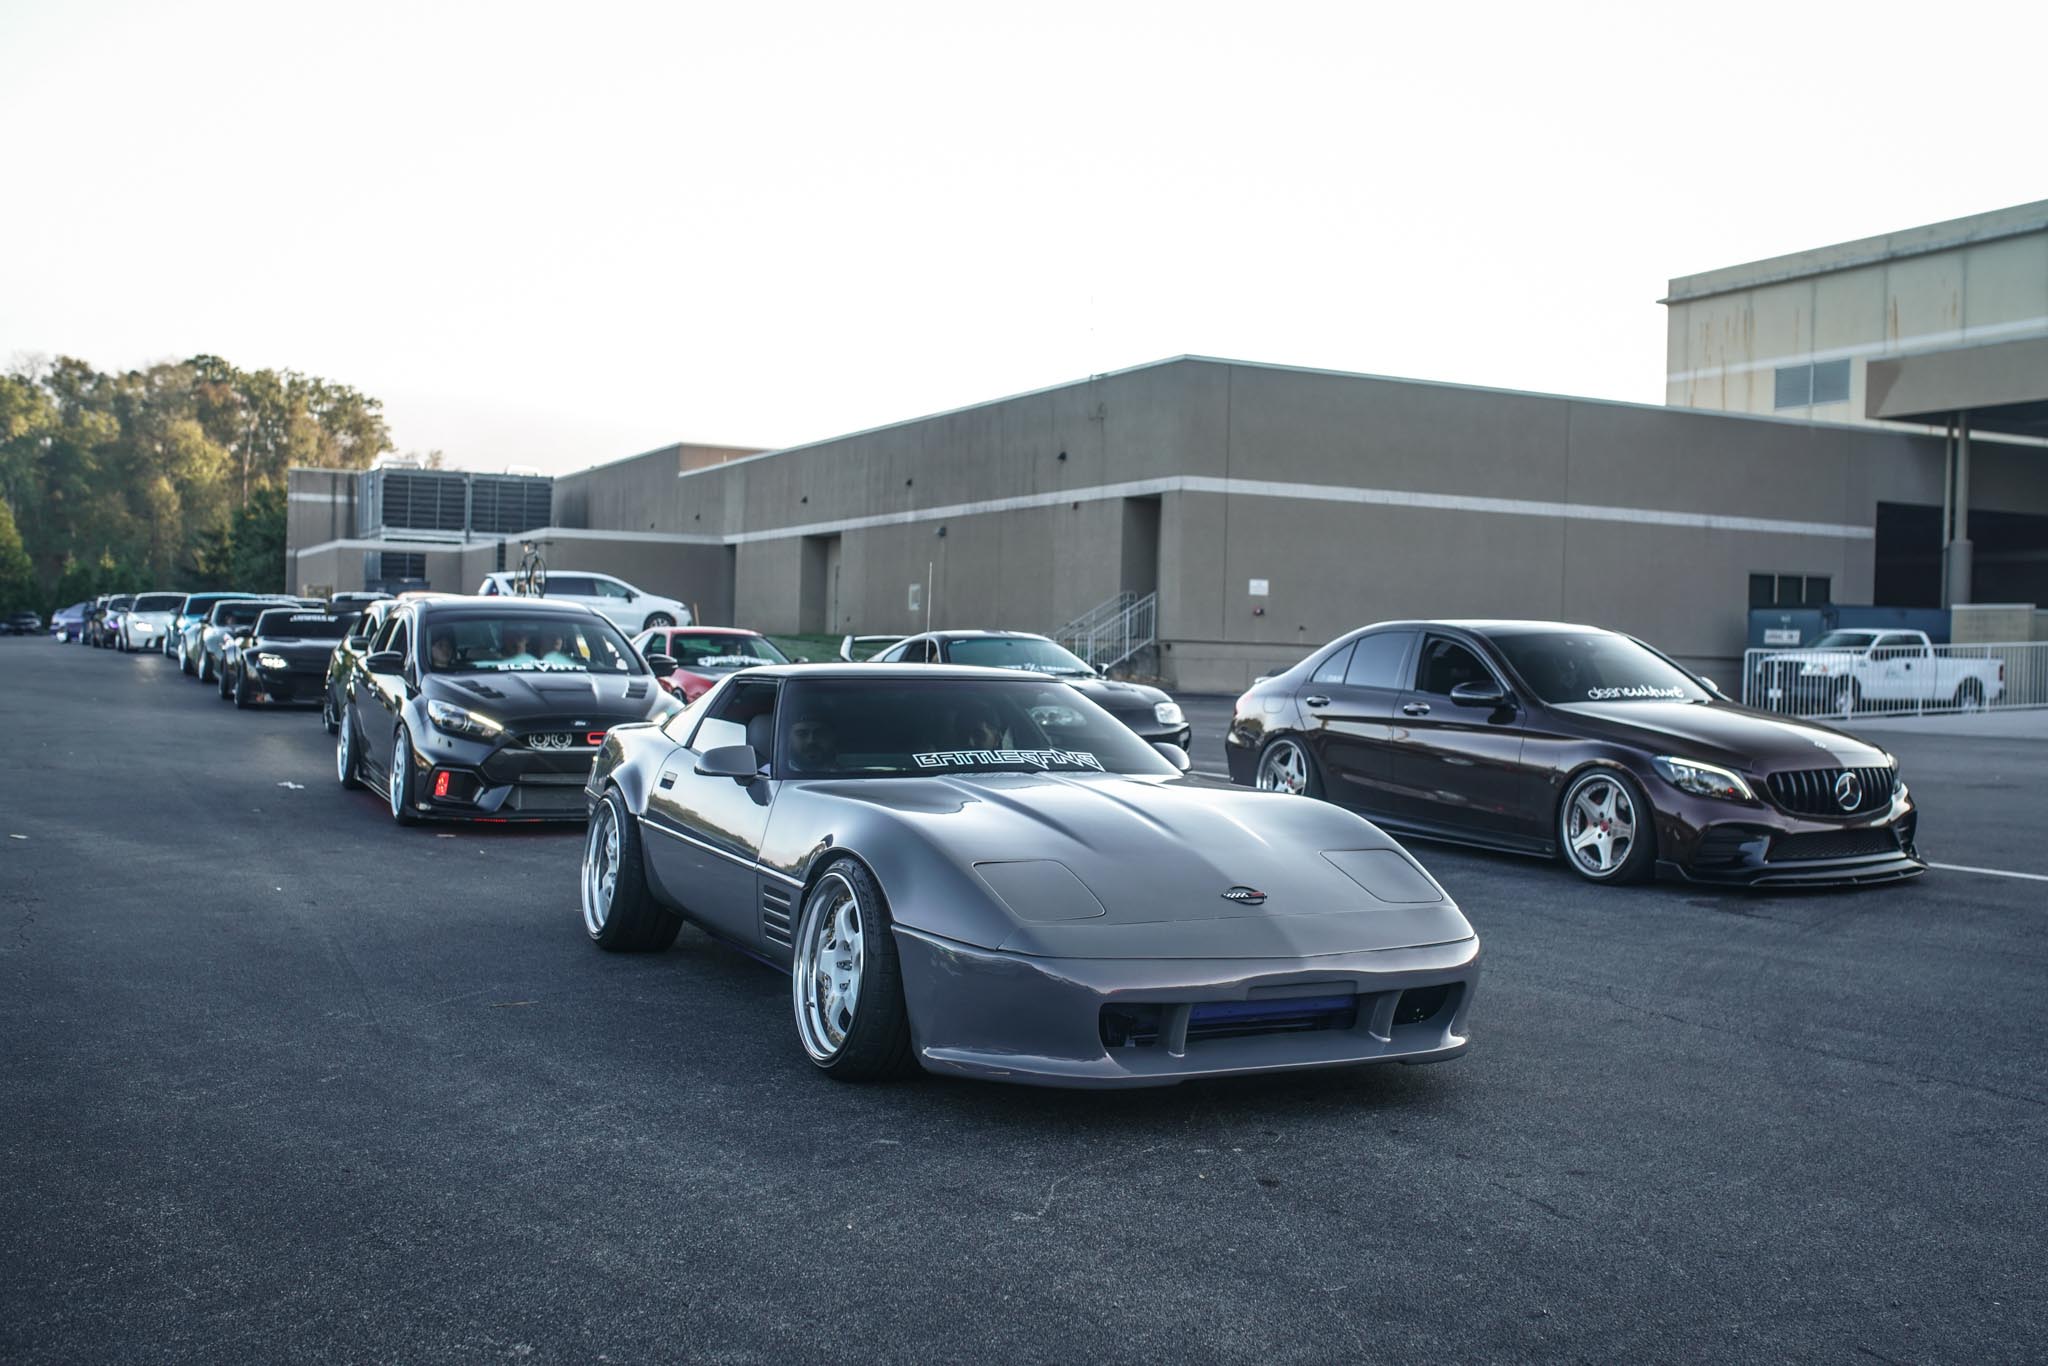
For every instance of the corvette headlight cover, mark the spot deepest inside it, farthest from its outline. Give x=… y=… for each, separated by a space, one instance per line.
x=268 y=660
x=460 y=721
x=1703 y=780
x=1168 y=714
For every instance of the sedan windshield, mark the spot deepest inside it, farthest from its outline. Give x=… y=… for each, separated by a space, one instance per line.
x=1017 y=652
x=236 y=612
x=1844 y=640
x=159 y=602
x=719 y=652
x=846 y=728
x=528 y=642
x=1594 y=666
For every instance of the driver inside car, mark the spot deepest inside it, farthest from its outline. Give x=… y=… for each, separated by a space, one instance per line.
x=812 y=744
x=441 y=651
x=975 y=725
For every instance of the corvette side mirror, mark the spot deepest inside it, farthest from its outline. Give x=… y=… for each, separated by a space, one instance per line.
x=1174 y=754
x=737 y=762
x=661 y=663
x=1478 y=694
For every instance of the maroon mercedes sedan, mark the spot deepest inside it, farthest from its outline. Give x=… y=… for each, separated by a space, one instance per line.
x=1575 y=743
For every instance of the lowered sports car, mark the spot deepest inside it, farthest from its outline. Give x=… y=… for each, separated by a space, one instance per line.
x=983 y=873
x=146 y=625
x=1576 y=743
x=283 y=657
x=1146 y=710
x=489 y=708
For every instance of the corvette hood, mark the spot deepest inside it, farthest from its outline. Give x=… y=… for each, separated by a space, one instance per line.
x=538 y=696
x=1726 y=734
x=1115 y=868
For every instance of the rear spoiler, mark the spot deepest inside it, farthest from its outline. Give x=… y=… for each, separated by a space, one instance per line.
x=848 y=644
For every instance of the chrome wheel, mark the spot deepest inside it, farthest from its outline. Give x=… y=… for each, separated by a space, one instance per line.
x=343 y=760
x=1283 y=768
x=401 y=761
x=830 y=959
x=600 y=868
x=1599 y=825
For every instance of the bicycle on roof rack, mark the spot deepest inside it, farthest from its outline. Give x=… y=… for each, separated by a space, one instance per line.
x=531 y=578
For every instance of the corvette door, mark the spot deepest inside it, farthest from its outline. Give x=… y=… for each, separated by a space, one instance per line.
x=704 y=840
x=1351 y=706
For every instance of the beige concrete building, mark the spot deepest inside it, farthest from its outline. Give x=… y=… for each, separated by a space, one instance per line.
x=1258 y=510
x=1941 y=328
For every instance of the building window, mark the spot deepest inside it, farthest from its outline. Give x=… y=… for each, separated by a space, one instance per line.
x=1801 y=386
x=1789 y=590
x=394 y=564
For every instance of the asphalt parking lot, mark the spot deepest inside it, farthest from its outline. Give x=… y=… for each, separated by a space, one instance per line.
x=281 y=1081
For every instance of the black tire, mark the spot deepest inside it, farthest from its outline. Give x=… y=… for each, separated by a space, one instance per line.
x=244 y=699
x=222 y=683
x=875 y=1045
x=348 y=763
x=1969 y=695
x=1848 y=697
x=184 y=661
x=628 y=918
x=327 y=721
x=1638 y=860
x=398 y=784
x=656 y=620
x=1285 y=754
x=205 y=667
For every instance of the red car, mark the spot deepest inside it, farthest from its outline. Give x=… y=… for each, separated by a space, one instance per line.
x=705 y=654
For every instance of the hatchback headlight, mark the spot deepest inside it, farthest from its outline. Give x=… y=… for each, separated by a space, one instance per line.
x=461 y=721
x=1168 y=714
x=268 y=660
x=1703 y=780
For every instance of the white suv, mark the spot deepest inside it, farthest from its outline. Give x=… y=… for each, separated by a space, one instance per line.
x=631 y=609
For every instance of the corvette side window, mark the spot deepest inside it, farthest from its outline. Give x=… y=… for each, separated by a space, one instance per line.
x=743 y=715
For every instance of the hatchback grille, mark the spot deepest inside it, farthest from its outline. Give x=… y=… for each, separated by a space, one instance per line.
x=1812 y=791
x=1833 y=844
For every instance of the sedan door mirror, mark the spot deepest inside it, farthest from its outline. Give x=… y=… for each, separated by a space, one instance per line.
x=661 y=663
x=384 y=662
x=1479 y=694
x=737 y=762
x=1174 y=754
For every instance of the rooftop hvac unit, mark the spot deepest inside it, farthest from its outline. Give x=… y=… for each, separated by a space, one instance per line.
x=453 y=503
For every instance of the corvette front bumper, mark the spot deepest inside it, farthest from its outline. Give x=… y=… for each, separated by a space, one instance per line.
x=1154 y=1022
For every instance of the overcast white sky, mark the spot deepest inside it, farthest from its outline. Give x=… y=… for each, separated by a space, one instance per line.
x=555 y=235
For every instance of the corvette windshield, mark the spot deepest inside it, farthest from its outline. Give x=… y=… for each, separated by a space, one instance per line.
x=159 y=602
x=1594 y=666
x=523 y=642
x=1017 y=652
x=848 y=728
x=236 y=613
x=719 y=652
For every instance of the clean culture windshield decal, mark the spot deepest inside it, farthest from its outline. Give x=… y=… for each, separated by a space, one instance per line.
x=1035 y=758
x=1640 y=690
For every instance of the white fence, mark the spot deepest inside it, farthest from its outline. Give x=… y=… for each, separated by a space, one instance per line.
x=1896 y=681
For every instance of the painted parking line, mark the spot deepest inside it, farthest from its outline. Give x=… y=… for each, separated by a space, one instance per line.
x=1989 y=872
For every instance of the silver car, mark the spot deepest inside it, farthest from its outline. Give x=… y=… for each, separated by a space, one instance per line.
x=147 y=624
x=986 y=874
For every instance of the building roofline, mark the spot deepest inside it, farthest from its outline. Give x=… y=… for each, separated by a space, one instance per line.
x=2016 y=221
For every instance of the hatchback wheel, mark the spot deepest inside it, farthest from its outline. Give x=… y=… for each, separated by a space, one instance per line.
x=399 y=785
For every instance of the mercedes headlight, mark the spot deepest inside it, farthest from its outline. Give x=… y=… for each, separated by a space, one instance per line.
x=461 y=721
x=1703 y=780
x=1168 y=714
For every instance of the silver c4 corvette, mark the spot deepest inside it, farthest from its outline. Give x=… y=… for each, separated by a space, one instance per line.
x=988 y=875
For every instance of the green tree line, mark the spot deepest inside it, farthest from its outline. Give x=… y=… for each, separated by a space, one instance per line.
x=169 y=477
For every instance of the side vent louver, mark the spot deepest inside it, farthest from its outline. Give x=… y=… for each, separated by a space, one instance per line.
x=775 y=913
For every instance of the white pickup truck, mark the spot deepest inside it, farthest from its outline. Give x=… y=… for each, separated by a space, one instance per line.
x=1847 y=669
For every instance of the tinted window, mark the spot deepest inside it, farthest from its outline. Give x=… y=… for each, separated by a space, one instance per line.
x=239 y=613
x=297 y=625
x=1017 y=652
x=1594 y=666
x=527 y=641
x=159 y=602
x=608 y=588
x=1377 y=659
x=693 y=651
x=743 y=715
x=1445 y=664
x=1332 y=669
x=1844 y=640
x=913 y=727
x=571 y=585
